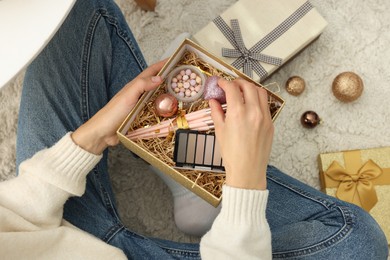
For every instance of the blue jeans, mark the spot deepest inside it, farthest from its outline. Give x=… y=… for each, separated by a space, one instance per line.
x=89 y=59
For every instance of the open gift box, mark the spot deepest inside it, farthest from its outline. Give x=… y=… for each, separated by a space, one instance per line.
x=158 y=151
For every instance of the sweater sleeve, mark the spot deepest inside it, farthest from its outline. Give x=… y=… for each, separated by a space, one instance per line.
x=241 y=230
x=46 y=181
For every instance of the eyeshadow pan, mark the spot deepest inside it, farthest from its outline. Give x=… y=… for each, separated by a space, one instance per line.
x=200 y=149
x=217 y=156
x=209 y=150
x=182 y=147
x=191 y=148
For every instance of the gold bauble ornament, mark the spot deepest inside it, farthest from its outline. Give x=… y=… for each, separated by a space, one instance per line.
x=295 y=85
x=347 y=86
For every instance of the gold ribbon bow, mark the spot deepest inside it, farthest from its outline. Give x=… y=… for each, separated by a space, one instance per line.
x=355 y=184
x=181 y=120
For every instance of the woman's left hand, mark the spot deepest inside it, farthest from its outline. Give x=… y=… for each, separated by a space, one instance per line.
x=100 y=131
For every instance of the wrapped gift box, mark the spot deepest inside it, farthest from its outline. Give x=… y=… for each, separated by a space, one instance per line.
x=361 y=177
x=258 y=36
x=208 y=185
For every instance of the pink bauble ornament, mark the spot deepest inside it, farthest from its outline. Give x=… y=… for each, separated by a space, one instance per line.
x=165 y=105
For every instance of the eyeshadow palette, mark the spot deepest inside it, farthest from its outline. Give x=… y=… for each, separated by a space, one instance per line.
x=197 y=150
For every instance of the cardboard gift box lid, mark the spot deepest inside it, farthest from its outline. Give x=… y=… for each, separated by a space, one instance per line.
x=283 y=27
x=361 y=177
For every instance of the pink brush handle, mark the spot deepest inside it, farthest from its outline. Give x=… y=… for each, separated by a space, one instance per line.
x=202 y=126
x=203 y=115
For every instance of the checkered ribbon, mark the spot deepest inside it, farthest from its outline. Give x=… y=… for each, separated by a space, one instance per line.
x=250 y=59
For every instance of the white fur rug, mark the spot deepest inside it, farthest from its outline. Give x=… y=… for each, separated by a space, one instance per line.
x=356 y=39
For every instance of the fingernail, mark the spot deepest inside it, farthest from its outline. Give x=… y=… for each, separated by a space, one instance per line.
x=211 y=101
x=156 y=79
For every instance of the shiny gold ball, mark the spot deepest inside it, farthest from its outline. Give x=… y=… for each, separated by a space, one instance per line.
x=295 y=85
x=347 y=86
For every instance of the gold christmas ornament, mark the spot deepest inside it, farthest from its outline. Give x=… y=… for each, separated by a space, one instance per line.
x=295 y=85
x=347 y=86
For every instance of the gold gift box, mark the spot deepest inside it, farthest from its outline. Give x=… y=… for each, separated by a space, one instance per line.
x=361 y=177
x=264 y=19
x=177 y=174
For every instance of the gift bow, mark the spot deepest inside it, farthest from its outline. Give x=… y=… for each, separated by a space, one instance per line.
x=356 y=187
x=249 y=59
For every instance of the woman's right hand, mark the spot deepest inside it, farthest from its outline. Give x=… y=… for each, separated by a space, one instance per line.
x=244 y=134
x=99 y=132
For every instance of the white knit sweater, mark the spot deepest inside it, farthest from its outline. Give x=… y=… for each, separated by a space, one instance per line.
x=31 y=208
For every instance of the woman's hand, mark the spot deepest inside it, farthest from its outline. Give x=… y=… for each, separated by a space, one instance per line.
x=245 y=134
x=100 y=131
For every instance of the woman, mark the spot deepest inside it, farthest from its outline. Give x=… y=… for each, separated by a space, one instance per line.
x=73 y=102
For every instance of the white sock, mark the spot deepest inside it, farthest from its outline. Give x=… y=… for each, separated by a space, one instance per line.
x=192 y=214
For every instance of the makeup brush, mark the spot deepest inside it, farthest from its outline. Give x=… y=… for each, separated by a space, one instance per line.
x=199 y=125
x=189 y=117
x=203 y=114
x=192 y=124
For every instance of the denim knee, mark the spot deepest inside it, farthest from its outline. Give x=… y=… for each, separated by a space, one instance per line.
x=364 y=241
x=367 y=240
x=308 y=224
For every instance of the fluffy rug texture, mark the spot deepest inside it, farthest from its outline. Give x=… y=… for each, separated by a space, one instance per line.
x=356 y=39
